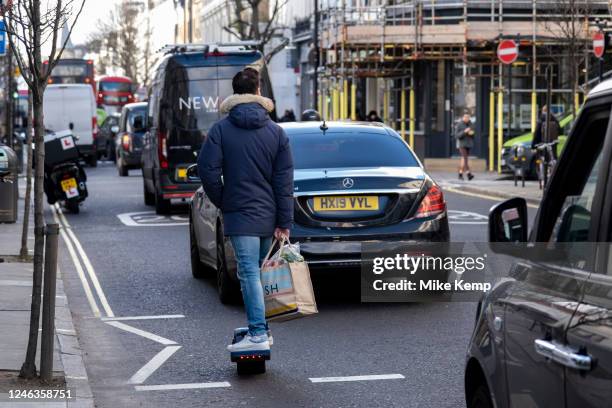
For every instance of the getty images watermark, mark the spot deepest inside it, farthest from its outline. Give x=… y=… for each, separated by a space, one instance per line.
x=409 y=272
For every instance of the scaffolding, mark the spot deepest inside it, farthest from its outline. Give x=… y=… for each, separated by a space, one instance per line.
x=384 y=39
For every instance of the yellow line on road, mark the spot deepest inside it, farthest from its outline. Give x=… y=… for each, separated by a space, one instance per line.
x=483 y=196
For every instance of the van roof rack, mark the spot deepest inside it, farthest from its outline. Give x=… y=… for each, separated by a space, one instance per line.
x=206 y=47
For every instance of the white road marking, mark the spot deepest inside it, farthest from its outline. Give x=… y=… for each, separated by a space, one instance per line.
x=8 y=282
x=466 y=218
x=86 y=262
x=357 y=378
x=77 y=264
x=192 y=386
x=150 y=219
x=76 y=377
x=110 y=319
x=142 y=333
x=156 y=362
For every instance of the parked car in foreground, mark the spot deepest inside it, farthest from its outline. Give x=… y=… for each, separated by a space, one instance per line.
x=73 y=107
x=106 y=136
x=128 y=144
x=543 y=334
x=353 y=182
x=189 y=84
x=516 y=153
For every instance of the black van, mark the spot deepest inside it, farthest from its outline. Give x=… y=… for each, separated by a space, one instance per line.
x=189 y=84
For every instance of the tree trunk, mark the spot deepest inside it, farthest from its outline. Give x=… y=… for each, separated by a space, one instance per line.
x=28 y=370
x=23 y=253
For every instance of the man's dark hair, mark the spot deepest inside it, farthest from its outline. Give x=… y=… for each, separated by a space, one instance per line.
x=246 y=81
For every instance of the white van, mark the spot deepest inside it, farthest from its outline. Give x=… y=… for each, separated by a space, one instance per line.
x=73 y=106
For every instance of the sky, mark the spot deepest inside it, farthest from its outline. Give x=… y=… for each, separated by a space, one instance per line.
x=92 y=11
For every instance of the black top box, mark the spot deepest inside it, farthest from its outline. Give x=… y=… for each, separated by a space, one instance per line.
x=60 y=147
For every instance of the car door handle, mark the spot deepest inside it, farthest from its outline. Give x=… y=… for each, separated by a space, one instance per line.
x=563 y=355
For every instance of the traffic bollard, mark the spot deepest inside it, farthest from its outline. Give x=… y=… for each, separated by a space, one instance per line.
x=48 y=312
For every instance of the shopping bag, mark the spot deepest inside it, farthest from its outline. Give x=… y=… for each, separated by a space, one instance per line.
x=285 y=278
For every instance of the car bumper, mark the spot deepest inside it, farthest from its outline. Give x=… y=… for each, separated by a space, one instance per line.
x=512 y=163
x=87 y=150
x=171 y=189
x=336 y=247
x=131 y=159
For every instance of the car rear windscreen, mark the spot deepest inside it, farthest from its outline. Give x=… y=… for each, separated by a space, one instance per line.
x=355 y=149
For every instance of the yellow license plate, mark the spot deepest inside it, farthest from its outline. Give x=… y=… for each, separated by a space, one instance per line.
x=69 y=184
x=181 y=174
x=346 y=203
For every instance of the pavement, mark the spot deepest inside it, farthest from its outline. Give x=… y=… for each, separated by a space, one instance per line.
x=15 y=299
x=490 y=184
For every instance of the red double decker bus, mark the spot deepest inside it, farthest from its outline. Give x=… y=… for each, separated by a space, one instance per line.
x=114 y=92
x=72 y=71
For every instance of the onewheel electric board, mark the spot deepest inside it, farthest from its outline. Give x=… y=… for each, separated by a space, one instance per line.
x=248 y=362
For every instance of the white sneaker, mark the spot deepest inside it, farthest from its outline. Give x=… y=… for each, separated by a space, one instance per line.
x=246 y=329
x=251 y=343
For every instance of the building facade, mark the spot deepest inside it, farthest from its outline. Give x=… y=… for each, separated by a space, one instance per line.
x=421 y=64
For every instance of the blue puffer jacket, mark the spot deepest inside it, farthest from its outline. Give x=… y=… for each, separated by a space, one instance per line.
x=253 y=155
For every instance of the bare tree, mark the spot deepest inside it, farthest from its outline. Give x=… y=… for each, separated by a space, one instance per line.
x=30 y=25
x=148 y=58
x=118 y=42
x=256 y=20
x=568 y=29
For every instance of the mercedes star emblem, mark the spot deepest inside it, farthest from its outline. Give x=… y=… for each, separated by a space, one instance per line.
x=348 y=183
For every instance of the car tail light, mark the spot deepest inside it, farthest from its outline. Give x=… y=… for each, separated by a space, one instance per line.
x=433 y=203
x=94 y=126
x=162 y=149
x=126 y=142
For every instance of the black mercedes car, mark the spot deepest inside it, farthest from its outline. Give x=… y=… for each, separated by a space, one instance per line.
x=354 y=182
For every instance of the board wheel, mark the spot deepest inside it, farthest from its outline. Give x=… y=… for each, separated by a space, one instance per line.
x=251 y=367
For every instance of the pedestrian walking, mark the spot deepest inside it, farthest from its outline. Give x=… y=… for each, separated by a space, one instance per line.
x=464 y=135
x=373 y=117
x=288 y=116
x=246 y=168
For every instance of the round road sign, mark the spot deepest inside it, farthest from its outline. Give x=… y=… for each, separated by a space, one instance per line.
x=599 y=44
x=507 y=51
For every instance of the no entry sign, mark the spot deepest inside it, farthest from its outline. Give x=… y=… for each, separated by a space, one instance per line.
x=507 y=51
x=599 y=44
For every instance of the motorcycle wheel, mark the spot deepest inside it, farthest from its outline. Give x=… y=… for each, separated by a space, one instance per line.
x=72 y=206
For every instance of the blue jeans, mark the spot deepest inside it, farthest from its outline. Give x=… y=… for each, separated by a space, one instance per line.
x=250 y=252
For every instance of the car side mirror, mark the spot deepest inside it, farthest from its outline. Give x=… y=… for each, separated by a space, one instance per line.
x=115 y=129
x=192 y=173
x=508 y=221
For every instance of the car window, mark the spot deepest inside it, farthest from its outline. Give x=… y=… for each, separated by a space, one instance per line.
x=568 y=207
x=136 y=117
x=574 y=222
x=355 y=149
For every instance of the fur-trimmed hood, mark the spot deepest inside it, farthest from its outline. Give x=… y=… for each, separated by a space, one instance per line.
x=248 y=111
x=238 y=99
